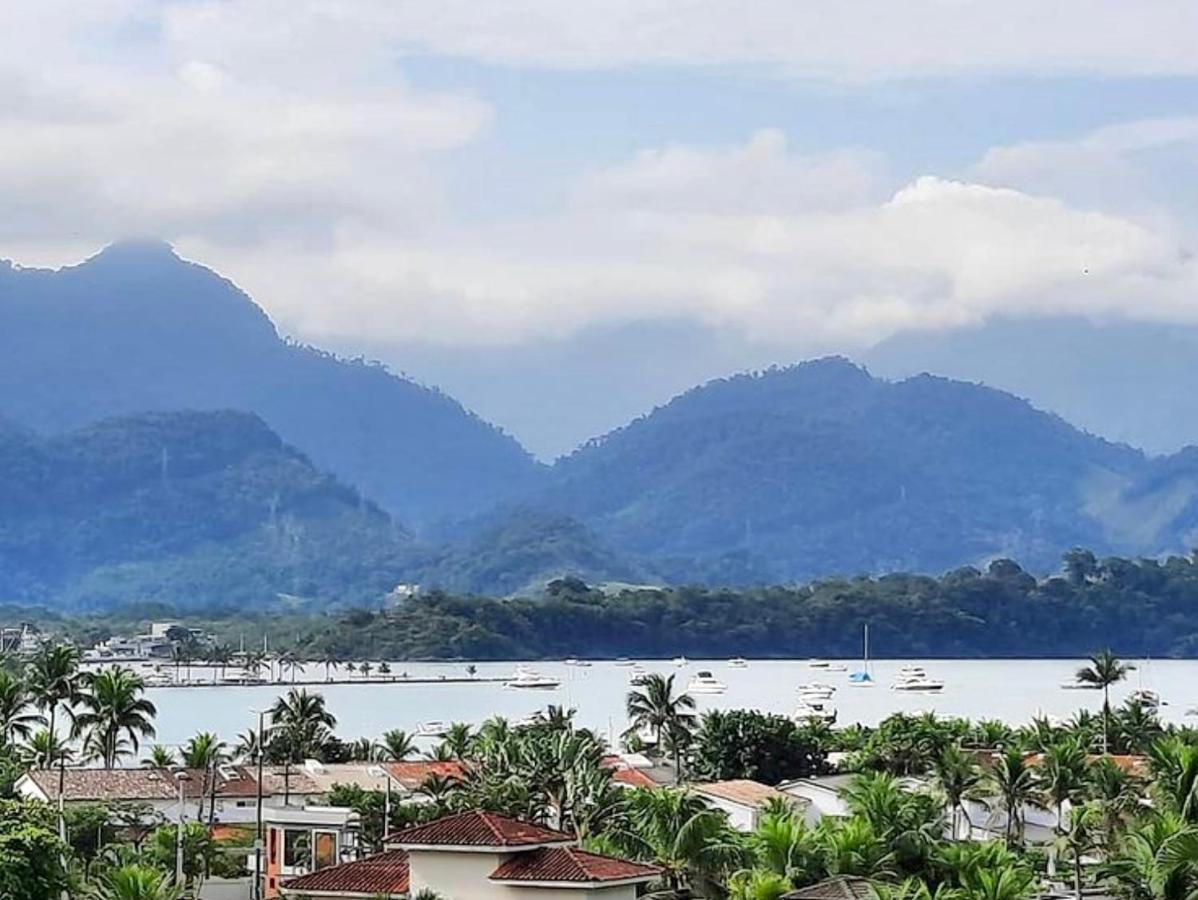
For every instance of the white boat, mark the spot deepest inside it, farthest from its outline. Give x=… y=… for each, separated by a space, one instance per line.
x=434 y=729
x=530 y=679
x=816 y=690
x=1148 y=699
x=818 y=664
x=737 y=663
x=917 y=682
x=624 y=661
x=680 y=661
x=580 y=663
x=706 y=683
x=1080 y=686
x=814 y=710
x=637 y=676
x=863 y=677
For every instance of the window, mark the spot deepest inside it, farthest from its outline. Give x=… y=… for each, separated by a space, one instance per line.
x=325 y=850
x=297 y=848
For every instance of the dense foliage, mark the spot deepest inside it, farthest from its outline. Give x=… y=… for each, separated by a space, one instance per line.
x=1140 y=607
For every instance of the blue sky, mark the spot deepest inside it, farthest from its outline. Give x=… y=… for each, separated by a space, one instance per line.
x=462 y=187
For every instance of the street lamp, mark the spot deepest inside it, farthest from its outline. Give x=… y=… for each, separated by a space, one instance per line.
x=182 y=777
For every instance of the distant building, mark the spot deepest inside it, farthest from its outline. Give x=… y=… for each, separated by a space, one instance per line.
x=744 y=801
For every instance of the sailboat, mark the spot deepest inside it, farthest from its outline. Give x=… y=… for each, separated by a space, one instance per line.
x=862 y=677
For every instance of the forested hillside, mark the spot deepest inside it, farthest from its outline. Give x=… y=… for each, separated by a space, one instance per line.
x=137 y=329
x=195 y=509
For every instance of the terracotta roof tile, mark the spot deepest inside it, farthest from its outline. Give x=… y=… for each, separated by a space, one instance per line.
x=384 y=873
x=412 y=774
x=161 y=784
x=633 y=778
x=844 y=888
x=572 y=865
x=477 y=829
x=743 y=791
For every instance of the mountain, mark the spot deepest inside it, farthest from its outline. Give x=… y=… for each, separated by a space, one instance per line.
x=209 y=509
x=1127 y=381
x=820 y=468
x=137 y=329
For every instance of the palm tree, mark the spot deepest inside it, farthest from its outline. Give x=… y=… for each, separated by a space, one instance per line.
x=115 y=714
x=288 y=661
x=303 y=724
x=1013 y=788
x=331 y=662
x=458 y=740
x=958 y=778
x=1104 y=670
x=366 y=668
x=1174 y=764
x=1062 y=775
x=220 y=655
x=44 y=750
x=364 y=750
x=160 y=757
x=755 y=884
x=205 y=751
x=677 y=831
x=1117 y=793
x=1156 y=861
x=54 y=680
x=1078 y=839
x=398 y=745
x=656 y=707
x=135 y=882
x=782 y=844
x=17 y=718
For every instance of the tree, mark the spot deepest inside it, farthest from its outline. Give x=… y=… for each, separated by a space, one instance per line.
x=1104 y=670
x=114 y=714
x=135 y=882
x=656 y=707
x=958 y=778
x=17 y=718
x=45 y=750
x=1062 y=776
x=1079 y=838
x=1156 y=861
x=54 y=680
x=206 y=752
x=398 y=745
x=1013 y=788
x=675 y=830
x=30 y=852
x=1174 y=765
x=160 y=757
x=755 y=745
x=199 y=852
x=331 y=661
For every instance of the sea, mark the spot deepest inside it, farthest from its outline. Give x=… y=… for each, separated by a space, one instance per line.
x=1015 y=691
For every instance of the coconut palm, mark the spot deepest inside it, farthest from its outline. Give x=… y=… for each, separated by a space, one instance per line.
x=331 y=661
x=656 y=707
x=1079 y=837
x=782 y=844
x=206 y=752
x=54 y=680
x=1117 y=794
x=1156 y=861
x=1104 y=670
x=114 y=715
x=1174 y=765
x=160 y=757
x=44 y=750
x=301 y=725
x=364 y=749
x=1013 y=788
x=755 y=884
x=458 y=740
x=17 y=715
x=958 y=778
x=398 y=745
x=677 y=831
x=135 y=882
x=1062 y=775
x=220 y=655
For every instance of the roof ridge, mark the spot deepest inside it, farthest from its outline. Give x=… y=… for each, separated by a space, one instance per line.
x=488 y=819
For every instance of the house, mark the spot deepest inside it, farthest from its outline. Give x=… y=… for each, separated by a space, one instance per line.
x=635 y=770
x=843 y=888
x=478 y=856
x=821 y=795
x=236 y=789
x=743 y=800
x=404 y=780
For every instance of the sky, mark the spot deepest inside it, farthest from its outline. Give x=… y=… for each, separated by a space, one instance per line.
x=563 y=211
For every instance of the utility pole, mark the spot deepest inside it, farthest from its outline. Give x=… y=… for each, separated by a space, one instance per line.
x=182 y=778
x=259 y=875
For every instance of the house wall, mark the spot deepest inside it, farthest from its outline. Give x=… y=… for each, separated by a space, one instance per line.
x=822 y=802
x=457 y=876
x=740 y=817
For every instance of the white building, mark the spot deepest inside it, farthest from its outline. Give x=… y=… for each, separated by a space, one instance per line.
x=743 y=801
x=478 y=856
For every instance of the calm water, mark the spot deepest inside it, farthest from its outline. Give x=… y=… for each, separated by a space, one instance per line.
x=1013 y=690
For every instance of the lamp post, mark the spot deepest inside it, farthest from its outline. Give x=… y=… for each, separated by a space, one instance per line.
x=182 y=777
x=259 y=875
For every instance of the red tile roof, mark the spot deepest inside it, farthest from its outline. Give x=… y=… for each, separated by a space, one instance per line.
x=384 y=873
x=633 y=778
x=413 y=774
x=476 y=829
x=572 y=865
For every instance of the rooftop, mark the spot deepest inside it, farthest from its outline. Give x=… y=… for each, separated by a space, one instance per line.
x=162 y=784
x=477 y=829
x=384 y=873
x=569 y=864
x=412 y=774
x=742 y=791
x=843 y=888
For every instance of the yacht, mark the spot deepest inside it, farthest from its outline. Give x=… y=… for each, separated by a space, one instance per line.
x=814 y=710
x=705 y=683
x=680 y=661
x=827 y=666
x=863 y=677
x=737 y=663
x=915 y=680
x=1148 y=699
x=434 y=729
x=816 y=690
x=638 y=675
x=1080 y=686
x=623 y=661
x=531 y=679
x=580 y=663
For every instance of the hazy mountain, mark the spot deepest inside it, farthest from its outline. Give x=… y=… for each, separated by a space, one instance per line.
x=1127 y=381
x=137 y=329
x=821 y=468
x=203 y=508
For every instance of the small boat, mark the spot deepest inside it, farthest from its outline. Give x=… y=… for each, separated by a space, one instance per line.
x=637 y=676
x=737 y=663
x=1148 y=699
x=1080 y=686
x=818 y=664
x=624 y=661
x=862 y=677
x=434 y=729
x=917 y=683
x=531 y=679
x=679 y=661
x=816 y=689
x=705 y=683
x=814 y=710
x=580 y=663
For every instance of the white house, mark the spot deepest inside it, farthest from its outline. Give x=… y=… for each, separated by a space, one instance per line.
x=743 y=800
x=478 y=856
